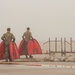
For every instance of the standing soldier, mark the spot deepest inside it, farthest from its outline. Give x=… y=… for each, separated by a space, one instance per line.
x=27 y=36
x=7 y=37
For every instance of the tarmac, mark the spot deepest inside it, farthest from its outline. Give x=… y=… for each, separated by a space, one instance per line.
x=37 y=68
x=32 y=67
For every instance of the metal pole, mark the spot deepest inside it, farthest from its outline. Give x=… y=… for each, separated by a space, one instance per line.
x=65 y=46
x=71 y=44
x=49 y=47
x=61 y=48
x=55 y=44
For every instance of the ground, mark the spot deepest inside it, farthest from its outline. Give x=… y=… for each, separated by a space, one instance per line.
x=36 y=67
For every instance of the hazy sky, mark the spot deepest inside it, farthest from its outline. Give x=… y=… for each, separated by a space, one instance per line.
x=46 y=18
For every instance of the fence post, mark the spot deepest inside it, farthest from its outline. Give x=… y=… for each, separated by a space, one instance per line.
x=55 y=44
x=65 y=46
x=49 y=47
x=61 y=47
x=71 y=44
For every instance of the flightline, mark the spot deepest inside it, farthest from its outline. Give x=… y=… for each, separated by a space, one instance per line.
x=37 y=65
x=51 y=66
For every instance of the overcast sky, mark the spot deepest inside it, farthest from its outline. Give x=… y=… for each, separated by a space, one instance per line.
x=46 y=18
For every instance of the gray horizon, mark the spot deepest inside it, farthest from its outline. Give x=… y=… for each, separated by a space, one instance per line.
x=46 y=18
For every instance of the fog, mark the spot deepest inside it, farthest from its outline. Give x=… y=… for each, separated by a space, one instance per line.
x=46 y=18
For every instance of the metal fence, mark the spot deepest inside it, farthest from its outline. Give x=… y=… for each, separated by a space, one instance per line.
x=63 y=43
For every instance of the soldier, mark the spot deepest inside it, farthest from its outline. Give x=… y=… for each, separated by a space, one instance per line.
x=7 y=37
x=27 y=36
